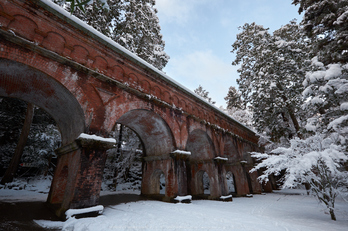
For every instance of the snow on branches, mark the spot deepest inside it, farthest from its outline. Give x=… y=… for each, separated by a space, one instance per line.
x=317 y=161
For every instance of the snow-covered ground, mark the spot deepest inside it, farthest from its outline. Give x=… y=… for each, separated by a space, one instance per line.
x=290 y=210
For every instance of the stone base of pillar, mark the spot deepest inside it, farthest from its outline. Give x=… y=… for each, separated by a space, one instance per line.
x=77 y=180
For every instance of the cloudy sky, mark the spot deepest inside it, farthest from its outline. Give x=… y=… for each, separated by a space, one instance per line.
x=199 y=34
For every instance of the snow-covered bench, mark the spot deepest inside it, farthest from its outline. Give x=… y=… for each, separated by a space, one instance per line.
x=183 y=199
x=85 y=212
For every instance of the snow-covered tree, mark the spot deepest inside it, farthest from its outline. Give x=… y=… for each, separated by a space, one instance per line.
x=139 y=32
x=133 y=24
x=320 y=158
x=124 y=163
x=204 y=94
x=233 y=99
x=317 y=161
x=243 y=116
x=327 y=22
x=271 y=74
x=327 y=98
x=33 y=145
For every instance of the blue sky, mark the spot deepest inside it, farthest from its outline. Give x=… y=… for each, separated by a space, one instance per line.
x=199 y=34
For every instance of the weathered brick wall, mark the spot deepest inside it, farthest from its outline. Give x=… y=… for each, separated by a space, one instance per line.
x=88 y=52
x=92 y=85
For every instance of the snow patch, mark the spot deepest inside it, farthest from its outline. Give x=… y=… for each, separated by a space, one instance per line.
x=182 y=152
x=221 y=158
x=73 y=212
x=334 y=71
x=226 y=197
x=94 y=137
x=344 y=106
x=182 y=198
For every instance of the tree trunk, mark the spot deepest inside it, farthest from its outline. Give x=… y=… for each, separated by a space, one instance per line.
x=332 y=213
x=291 y=113
x=120 y=139
x=12 y=169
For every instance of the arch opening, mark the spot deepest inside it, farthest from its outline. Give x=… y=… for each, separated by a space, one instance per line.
x=123 y=166
x=26 y=146
x=202 y=189
x=157 y=183
x=153 y=131
x=148 y=136
x=20 y=81
x=231 y=187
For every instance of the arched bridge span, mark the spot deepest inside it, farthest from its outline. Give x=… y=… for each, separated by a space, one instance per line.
x=88 y=83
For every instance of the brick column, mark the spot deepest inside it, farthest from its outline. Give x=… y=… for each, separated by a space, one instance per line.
x=220 y=162
x=180 y=168
x=78 y=175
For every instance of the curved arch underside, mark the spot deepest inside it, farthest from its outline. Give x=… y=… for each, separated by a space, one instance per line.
x=152 y=130
x=23 y=82
x=200 y=145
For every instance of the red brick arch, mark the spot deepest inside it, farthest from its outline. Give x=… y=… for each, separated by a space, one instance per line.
x=26 y=83
x=88 y=84
x=151 y=129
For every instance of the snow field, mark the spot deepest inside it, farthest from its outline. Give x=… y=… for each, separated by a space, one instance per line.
x=271 y=212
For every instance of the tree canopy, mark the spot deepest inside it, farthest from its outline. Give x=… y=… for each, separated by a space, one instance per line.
x=132 y=24
x=271 y=74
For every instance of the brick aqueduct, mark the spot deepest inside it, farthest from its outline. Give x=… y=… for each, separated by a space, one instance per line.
x=88 y=84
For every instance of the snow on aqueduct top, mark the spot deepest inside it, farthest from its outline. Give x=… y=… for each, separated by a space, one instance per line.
x=65 y=14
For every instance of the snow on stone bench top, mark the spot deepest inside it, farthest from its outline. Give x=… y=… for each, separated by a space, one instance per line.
x=225 y=197
x=182 y=152
x=73 y=212
x=220 y=158
x=95 y=137
x=181 y=198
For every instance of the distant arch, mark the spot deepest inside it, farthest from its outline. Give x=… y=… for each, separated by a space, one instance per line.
x=230 y=181
x=153 y=131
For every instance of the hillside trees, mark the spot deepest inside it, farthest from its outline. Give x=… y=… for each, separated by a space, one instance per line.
x=204 y=94
x=233 y=99
x=328 y=21
x=271 y=74
x=31 y=142
x=320 y=158
x=132 y=24
x=124 y=163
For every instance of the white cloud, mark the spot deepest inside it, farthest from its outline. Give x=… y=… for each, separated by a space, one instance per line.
x=206 y=69
x=177 y=11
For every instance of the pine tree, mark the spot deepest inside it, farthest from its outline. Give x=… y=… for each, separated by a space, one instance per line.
x=271 y=74
x=34 y=147
x=139 y=32
x=233 y=99
x=327 y=22
x=124 y=163
x=132 y=24
x=204 y=94
x=320 y=158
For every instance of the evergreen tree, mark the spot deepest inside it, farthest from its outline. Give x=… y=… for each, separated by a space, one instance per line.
x=271 y=74
x=132 y=24
x=320 y=159
x=327 y=22
x=204 y=94
x=124 y=163
x=243 y=116
x=233 y=99
x=32 y=142
x=139 y=32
